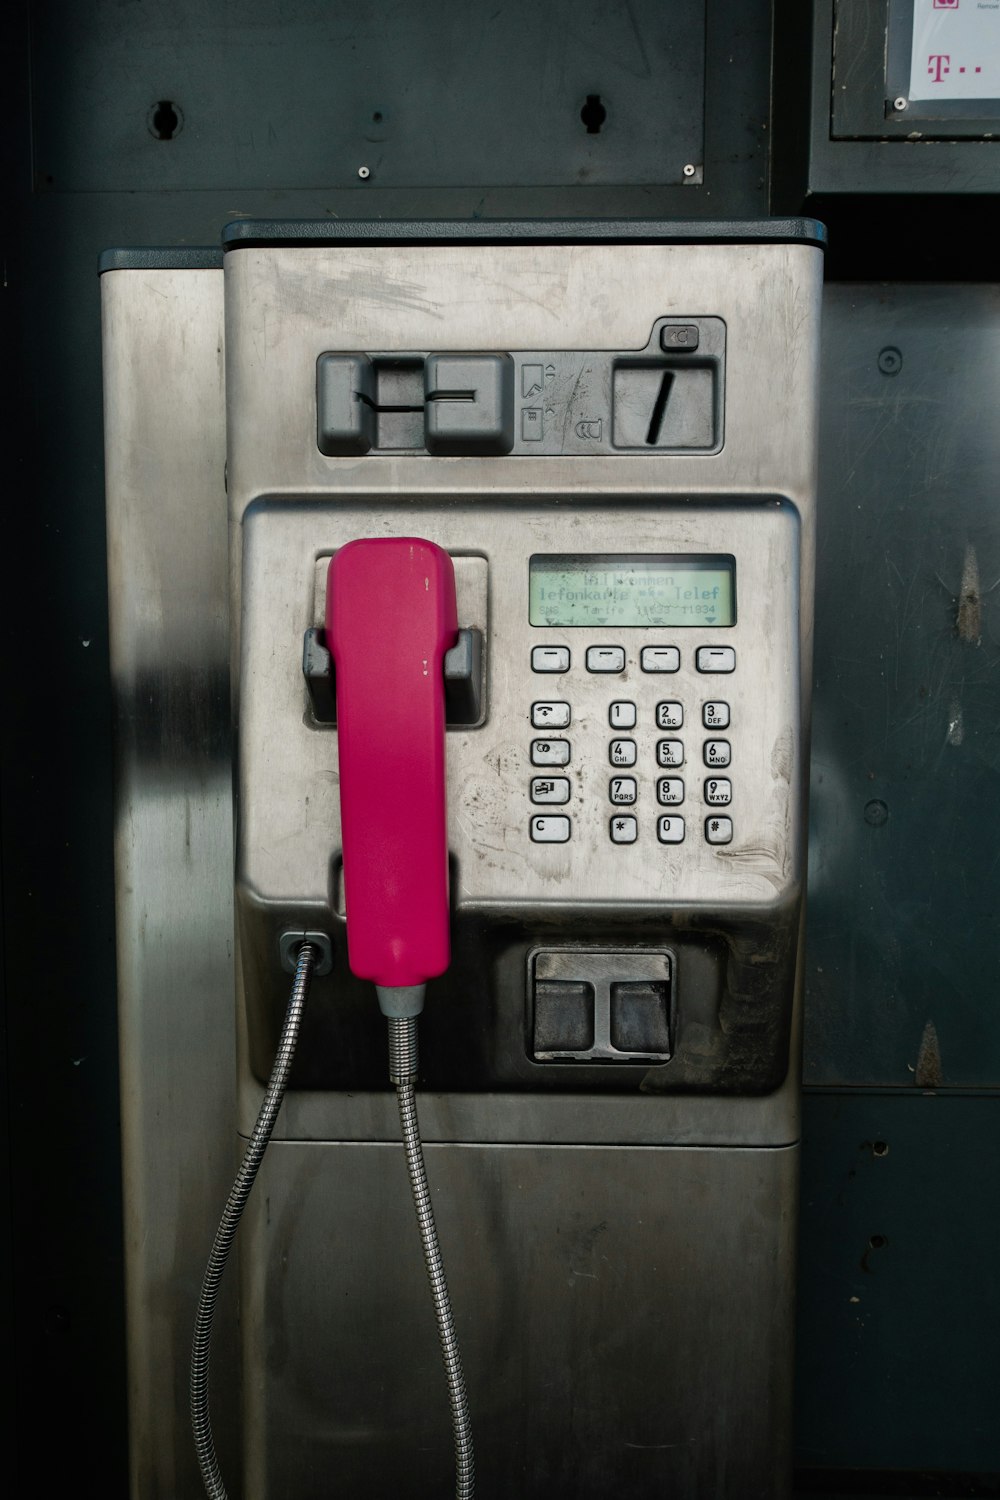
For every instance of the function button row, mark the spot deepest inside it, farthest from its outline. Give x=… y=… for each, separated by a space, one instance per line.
x=651 y=658
x=550 y=715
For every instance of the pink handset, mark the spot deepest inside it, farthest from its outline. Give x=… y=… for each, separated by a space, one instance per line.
x=390 y=618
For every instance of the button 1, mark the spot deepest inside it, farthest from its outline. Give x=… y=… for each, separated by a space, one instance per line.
x=549 y=789
x=717 y=752
x=715 y=715
x=670 y=791
x=621 y=789
x=550 y=752
x=715 y=659
x=622 y=715
x=624 y=830
x=718 y=792
x=550 y=830
x=669 y=715
x=622 y=752
x=670 y=829
x=719 y=830
x=605 y=658
x=550 y=658
x=660 y=659
x=670 y=752
x=550 y=715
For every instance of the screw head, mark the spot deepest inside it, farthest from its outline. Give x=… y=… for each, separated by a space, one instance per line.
x=876 y=813
x=690 y=170
x=900 y=103
x=364 y=173
x=890 y=360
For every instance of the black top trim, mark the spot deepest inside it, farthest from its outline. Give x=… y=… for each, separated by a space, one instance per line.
x=244 y=233
x=180 y=258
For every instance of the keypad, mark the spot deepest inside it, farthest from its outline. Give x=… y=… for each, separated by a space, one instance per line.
x=692 y=722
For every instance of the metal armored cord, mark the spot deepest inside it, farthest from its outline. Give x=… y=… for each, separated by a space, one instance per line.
x=201 y=1347
x=403 y=1072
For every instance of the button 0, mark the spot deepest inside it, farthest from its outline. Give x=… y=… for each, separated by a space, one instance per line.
x=550 y=830
x=715 y=715
x=549 y=789
x=621 y=715
x=717 y=752
x=670 y=791
x=550 y=715
x=660 y=659
x=550 y=658
x=624 y=830
x=669 y=715
x=719 y=791
x=670 y=752
x=605 y=658
x=670 y=829
x=621 y=789
x=719 y=830
x=622 y=752
x=715 y=659
x=550 y=752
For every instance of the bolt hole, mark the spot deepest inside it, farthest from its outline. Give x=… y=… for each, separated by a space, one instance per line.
x=880 y=1148
x=593 y=114
x=377 y=117
x=878 y=1242
x=165 y=121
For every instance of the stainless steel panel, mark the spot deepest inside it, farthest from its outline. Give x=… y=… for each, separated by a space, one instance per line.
x=625 y=1318
x=167 y=561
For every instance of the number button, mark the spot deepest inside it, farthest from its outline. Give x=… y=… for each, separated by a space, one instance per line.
x=660 y=659
x=549 y=789
x=550 y=752
x=622 y=715
x=717 y=752
x=550 y=715
x=715 y=659
x=622 y=789
x=670 y=829
x=715 y=715
x=550 y=659
x=624 y=830
x=670 y=791
x=550 y=830
x=719 y=830
x=622 y=752
x=719 y=792
x=669 y=752
x=669 y=715
x=605 y=658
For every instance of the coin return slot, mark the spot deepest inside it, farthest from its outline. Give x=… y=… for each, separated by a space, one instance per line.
x=591 y=1005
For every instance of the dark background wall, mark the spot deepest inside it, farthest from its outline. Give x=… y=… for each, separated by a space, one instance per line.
x=154 y=122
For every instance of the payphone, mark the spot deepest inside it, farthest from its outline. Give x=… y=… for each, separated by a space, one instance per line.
x=522 y=528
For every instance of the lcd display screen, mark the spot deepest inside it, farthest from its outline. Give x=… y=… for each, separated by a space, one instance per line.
x=645 y=589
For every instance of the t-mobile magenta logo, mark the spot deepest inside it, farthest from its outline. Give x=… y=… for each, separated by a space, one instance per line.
x=938 y=65
x=946 y=4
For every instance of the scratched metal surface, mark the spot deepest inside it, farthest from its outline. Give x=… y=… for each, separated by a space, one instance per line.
x=903 y=941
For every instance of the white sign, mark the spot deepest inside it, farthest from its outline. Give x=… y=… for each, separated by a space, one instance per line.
x=956 y=49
